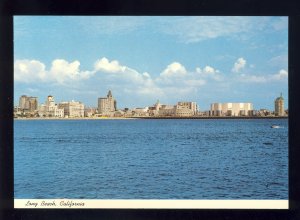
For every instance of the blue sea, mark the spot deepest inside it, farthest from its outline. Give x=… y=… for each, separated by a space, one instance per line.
x=151 y=159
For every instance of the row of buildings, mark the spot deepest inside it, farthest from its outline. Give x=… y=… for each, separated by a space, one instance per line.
x=107 y=107
x=28 y=107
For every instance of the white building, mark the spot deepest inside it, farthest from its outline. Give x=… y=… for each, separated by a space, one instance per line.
x=72 y=109
x=50 y=109
x=231 y=109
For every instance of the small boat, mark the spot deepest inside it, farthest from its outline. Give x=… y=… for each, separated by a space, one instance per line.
x=275 y=126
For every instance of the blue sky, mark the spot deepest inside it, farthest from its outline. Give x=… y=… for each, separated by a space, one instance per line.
x=143 y=59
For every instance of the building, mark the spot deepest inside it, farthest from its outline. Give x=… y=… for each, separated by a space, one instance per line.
x=231 y=109
x=108 y=105
x=279 y=106
x=89 y=111
x=185 y=109
x=28 y=103
x=154 y=110
x=72 y=109
x=140 y=112
x=50 y=109
x=181 y=109
x=167 y=110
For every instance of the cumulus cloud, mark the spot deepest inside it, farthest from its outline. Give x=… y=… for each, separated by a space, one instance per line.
x=209 y=72
x=175 y=69
x=108 y=66
x=174 y=78
x=239 y=65
x=61 y=71
x=29 y=71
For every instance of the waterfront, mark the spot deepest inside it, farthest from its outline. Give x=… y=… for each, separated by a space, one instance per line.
x=151 y=159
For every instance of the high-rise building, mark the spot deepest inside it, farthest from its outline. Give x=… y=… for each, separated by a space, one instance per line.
x=28 y=103
x=107 y=105
x=279 y=106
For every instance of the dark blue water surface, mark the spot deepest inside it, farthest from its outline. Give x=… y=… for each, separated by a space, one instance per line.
x=151 y=159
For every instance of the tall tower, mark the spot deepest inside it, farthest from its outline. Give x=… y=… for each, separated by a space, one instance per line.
x=279 y=106
x=50 y=101
x=107 y=105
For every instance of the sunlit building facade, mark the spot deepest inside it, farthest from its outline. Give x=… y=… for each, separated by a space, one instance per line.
x=107 y=105
x=231 y=109
x=28 y=103
x=72 y=109
x=279 y=106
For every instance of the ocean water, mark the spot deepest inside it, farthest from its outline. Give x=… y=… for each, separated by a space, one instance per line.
x=151 y=159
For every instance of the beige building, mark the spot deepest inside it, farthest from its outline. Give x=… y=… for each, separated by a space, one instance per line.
x=166 y=110
x=50 y=109
x=140 y=112
x=72 y=109
x=185 y=109
x=279 y=106
x=89 y=112
x=154 y=110
x=28 y=103
x=108 y=105
x=231 y=109
x=181 y=109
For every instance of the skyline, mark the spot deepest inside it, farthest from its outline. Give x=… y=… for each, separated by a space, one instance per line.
x=40 y=102
x=142 y=59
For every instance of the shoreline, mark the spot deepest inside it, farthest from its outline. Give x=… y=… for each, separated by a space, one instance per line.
x=133 y=118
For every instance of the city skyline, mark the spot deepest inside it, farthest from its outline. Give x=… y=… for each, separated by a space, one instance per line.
x=39 y=103
x=142 y=59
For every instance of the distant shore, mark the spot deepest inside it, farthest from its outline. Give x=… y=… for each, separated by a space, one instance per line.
x=128 y=118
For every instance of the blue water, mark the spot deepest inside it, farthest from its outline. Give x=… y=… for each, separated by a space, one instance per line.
x=151 y=159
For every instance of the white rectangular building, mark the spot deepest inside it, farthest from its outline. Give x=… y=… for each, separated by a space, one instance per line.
x=72 y=109
x=231 y=109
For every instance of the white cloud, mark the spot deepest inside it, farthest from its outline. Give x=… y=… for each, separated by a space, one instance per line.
x=282 y=74
x=239 y=65
x=108 y=66
x=175 y=69
x=61 y=71
x=252 y=78
x=195 y=82
x=209 y=71
x=29 y=71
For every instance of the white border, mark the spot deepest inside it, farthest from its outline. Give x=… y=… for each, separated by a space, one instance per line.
x=148 y=204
